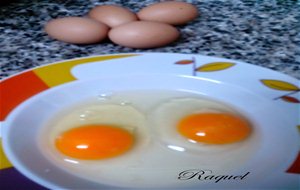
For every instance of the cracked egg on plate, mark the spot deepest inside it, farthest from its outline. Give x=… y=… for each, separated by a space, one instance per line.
x=137 y=132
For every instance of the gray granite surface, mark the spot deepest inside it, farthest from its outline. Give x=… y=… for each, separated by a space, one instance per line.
x=261 y=32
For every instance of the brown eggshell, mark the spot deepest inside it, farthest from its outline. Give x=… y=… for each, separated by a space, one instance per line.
x=112 y=15
x=143 y=34
x=170 y=12
x=76 y=30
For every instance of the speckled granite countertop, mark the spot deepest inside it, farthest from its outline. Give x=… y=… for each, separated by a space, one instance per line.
x=261 y=32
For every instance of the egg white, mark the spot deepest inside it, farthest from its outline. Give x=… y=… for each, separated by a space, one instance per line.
x=159 y=153
x=167 y=115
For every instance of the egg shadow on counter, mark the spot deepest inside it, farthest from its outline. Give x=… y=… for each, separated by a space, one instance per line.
x=107 y=41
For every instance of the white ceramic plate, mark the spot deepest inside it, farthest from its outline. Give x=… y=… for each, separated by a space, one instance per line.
x=268 y=98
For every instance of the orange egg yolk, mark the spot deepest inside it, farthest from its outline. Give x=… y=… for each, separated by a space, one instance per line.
x=94 y=142
x=214 y=128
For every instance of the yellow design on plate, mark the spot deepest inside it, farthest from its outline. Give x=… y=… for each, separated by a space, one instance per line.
x=215 y=66
x=279 y=85
x=4 y=162
x=59 y=73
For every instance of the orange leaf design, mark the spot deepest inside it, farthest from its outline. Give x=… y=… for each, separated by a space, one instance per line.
x=215 y=66
x=279 y=85
x=184 y=62
x=295 y=167
x=290 y=99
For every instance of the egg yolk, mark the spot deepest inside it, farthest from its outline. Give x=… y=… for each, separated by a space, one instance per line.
x=94 y=142
x=214 y=128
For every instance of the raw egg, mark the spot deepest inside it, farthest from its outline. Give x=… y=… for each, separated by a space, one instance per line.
x=170 y=12
x=214 y=128
x=96 y=141
x=200 y=124
x=98 y=131
x=112 y=15
x=76 y=30
x=143 y=34
x=137 y=137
